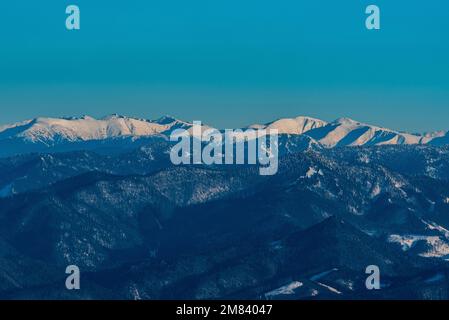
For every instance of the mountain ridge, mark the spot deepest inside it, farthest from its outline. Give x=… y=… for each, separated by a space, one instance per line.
x=44 y=134
x=200 y=232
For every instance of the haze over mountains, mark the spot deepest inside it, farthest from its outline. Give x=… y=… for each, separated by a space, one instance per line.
x=63 y=134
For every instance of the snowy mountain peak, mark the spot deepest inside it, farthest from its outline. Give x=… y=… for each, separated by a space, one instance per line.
x=298 y=125
x=112 y=117
x=349 y=132
x=167 y=119
x=32 y=135
x=60 y=130
x=347 y=121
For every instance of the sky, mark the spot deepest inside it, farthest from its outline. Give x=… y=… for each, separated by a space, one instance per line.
x=228 y=63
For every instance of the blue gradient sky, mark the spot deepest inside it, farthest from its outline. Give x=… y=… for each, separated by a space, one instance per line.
x=228 y=62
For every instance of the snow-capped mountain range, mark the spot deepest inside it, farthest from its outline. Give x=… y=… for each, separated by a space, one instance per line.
x=51 y=130
x=40 y=134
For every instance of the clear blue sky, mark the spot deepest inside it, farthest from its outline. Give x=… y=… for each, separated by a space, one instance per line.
x=228 y=62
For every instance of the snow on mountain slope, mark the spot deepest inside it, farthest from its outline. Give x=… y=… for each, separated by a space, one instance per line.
x=284 y=290
x=41 y=134
x=348 y=132
x=86 y=128
x=434 y=246
x=54 y=130
x=298 y=125
x=13 y=125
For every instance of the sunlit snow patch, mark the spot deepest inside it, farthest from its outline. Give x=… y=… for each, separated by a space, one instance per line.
x=329 y=288
x=438 y=247
x=311 y=172
x=285 y=290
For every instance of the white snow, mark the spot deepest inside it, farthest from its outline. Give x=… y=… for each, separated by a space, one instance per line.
x=433 y=226
x=311 y=172
x=342 y=132
x=406 y=242
x=285 y=290
x=346 y=283
x=298 y=125
x=376 y=191
x=348 y=132
x=87 y=128
x=364 y=159
x=438 y=247
x=135 y=292
x=329 y=288
x=13 y=125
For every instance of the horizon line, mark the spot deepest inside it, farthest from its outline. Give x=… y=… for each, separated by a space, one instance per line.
x=154 y=120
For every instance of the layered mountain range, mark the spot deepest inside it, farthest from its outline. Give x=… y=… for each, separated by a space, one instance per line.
x=104 y=195
x=115 y=131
